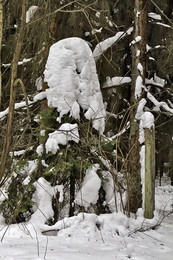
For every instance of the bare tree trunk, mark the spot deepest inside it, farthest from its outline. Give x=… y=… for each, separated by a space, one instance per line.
x=72 y=194
x=7 y=141
x=171 y=164
x=52 y=31
x=1 y=26
x=138 y=57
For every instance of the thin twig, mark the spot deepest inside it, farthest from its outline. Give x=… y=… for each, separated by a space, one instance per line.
x=46 y=247
x=38 y=251
x=4 y=233
x=161 y=11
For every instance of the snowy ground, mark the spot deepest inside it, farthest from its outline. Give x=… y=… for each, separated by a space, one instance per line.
x=105 y=237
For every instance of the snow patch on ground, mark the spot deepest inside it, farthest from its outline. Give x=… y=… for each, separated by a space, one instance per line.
x=106 y=236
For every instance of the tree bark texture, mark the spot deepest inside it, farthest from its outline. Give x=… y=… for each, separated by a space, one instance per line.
x=138 y=56
x=1 y=26
x=7 y=141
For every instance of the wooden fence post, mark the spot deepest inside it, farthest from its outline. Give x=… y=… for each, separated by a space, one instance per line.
x=149 y=203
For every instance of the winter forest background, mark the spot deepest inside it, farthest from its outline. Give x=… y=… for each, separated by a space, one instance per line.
x=86 y=113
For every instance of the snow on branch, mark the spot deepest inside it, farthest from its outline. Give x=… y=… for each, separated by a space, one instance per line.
x=163 y=24
x=158 y=104
x=161 y=12
x=156 y=81
x=121 y=132
x=154 y=16
x=30 y=13
x=66 y=132
x=119 y=81
x=101 y=47
x=136 y=40
x=116 y=81
x=17 y=106
x=157 y=17
x=6 y=65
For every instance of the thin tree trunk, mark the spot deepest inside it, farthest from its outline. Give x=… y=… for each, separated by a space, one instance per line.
x=161 y=170
x=171 y=164
x=51 y=34
x=1 y=26
x=138 y=57
x=7 y=141
x=72 y=194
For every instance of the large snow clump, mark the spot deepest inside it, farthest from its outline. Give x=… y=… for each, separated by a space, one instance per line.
x=73 y=82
